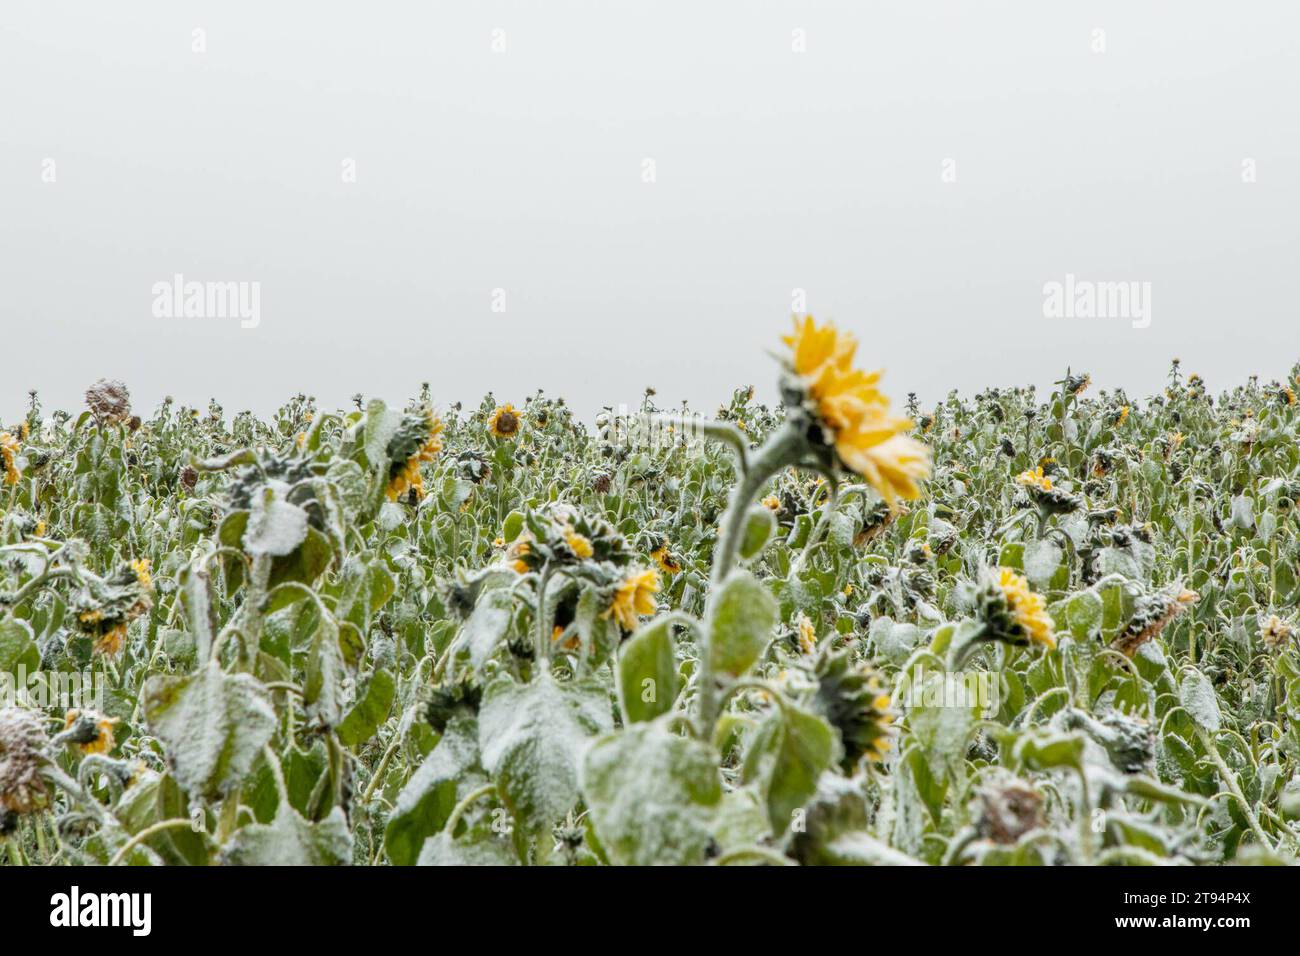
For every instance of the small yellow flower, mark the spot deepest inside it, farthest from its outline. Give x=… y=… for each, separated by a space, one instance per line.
x=1123 y=415
x=505 y=421
x=1028 y=609
x=772 y=503
x=634 y=596
x=301 y=440
x=141 y=567
x=40 y=529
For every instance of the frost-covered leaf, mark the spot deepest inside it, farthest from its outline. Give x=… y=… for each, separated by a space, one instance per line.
x=647 y=672
x=449 y=773
x=213 y=724
x=652 y=796
x=531 y=737
x=788 y=754
x=275 y=527
x=740 y=621
x=1198 y=699
x=290 y=840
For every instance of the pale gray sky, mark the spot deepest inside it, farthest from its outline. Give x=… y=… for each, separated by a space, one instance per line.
x=523 y=170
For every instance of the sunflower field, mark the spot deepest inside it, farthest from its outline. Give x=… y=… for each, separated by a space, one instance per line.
x=1018 y=628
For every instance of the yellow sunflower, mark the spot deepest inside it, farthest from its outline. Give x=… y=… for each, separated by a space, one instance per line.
x=103 y=741
x=9 y=452
x=1028 y=609
x=664 y=558
x=634 y=596
x=407 y=475
x=1035 y=479
x=579 y=544
x=868 y=439
x=505 y=421
x=141 y=567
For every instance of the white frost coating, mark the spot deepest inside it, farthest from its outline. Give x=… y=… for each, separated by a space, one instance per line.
x=531 y=736
x=1041 y=560
x=275 y=527
x=1198 y=699
x=214 y=725
x=653 y=796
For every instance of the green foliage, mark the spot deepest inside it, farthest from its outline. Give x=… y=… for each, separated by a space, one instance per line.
x=321 y=638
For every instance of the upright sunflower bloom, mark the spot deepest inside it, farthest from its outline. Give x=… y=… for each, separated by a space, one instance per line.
x=504 y=422
x=854 y=414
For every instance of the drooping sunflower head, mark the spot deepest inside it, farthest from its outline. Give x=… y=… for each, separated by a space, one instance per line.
x=418 y=439
x=1010 y=612
x=634 y=596
x=1045 y=495
x=578 y=543
x=1275 y=632
x=90 y=732
x=852 y=414
x=504 y=421
x=1008 y=810
x=9 y=458
x=667 y=561
x=1035 y=479
x=852 y=698
x=1028 y=608
x=1154 y=613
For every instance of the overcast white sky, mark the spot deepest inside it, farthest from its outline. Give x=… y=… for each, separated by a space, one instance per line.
x=523 y=170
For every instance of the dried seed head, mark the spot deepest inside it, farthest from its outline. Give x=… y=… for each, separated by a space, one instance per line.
x=1009 y=811
x=109 y=402
x=22 y=741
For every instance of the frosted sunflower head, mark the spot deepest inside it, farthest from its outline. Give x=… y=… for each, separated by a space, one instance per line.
x=504 y=422
x=9 y=458
x=418 y=439
x=852 y=697
x=1154 y=613
x=847 y=412
x=22 y=744
x=1275 y=633
x=90 y=732
x=634 y=597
